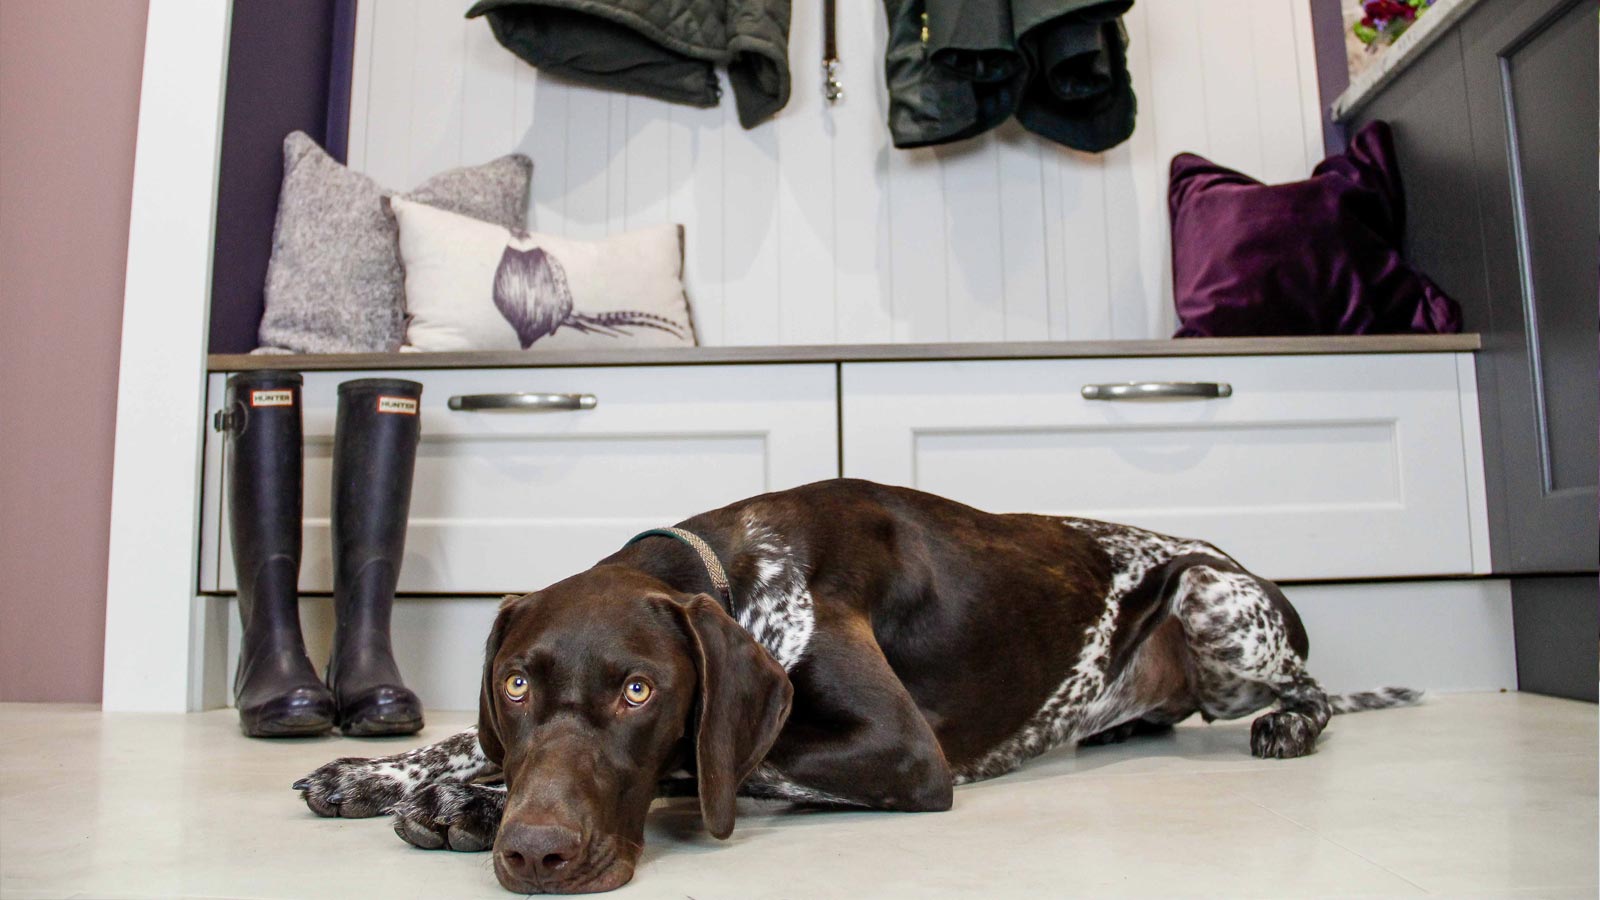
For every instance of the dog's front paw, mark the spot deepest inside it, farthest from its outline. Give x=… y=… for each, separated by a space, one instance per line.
x=451 y=816
x=354 y=788
x=1282 y=735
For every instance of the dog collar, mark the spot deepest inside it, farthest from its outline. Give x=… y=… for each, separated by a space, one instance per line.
x=708 y=557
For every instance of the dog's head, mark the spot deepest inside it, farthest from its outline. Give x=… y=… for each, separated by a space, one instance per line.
x=595 y=689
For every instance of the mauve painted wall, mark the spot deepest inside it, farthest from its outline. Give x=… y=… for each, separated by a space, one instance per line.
x=69 y=106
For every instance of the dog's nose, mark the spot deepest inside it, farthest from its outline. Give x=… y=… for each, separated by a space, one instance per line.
x=537 y=852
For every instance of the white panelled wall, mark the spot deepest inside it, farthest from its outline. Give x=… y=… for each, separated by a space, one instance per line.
x=812 y=228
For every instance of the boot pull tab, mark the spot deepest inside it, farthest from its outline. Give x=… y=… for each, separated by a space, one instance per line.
x=230 y=419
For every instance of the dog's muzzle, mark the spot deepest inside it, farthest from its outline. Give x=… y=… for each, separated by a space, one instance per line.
x=555 y=859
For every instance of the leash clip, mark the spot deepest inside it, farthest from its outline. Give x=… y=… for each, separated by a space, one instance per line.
x=831 y=88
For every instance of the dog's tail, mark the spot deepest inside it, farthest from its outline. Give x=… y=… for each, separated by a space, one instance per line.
x=1383 y=698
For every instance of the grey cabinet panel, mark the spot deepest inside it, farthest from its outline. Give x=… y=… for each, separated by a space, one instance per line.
x=1497 y=126
x=1427 y=110
x=1543 y=81
x=1530 y=70
x=1556 y=623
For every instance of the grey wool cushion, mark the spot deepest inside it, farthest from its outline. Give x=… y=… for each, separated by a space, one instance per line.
x=334 y=283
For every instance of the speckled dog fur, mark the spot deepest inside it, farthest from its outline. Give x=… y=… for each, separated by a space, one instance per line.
x=1174 y=627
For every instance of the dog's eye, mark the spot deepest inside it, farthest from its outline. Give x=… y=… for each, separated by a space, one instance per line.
x=517 y=688
x=636 y=691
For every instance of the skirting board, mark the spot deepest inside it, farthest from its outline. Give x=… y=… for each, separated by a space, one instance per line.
x=1435 y=635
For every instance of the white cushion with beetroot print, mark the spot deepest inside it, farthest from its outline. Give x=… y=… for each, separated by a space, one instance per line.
x=472 y=285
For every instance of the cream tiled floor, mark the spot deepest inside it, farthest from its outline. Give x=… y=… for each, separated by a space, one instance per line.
x=1491 y=795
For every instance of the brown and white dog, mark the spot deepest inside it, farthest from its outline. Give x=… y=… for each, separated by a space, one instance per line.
x=876 y=647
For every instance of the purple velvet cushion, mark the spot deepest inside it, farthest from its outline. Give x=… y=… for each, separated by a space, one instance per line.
x=1320 y=256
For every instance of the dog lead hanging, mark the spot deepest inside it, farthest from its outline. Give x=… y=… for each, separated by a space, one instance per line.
x=832 y=90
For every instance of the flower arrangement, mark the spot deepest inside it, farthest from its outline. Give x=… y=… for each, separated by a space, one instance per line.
x=1383 y=21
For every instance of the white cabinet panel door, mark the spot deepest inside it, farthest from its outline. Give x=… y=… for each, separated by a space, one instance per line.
x=510 y=502
x=1314 y=467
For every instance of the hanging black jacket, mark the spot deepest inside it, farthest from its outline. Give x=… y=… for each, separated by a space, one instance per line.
x=957 y=68
x=666 y=49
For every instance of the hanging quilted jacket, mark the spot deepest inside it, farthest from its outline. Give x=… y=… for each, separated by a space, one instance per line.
x=666 y=49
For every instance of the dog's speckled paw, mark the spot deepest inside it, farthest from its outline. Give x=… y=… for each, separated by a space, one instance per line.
x=448 y=816
x=1282 y=735
x=354 y=788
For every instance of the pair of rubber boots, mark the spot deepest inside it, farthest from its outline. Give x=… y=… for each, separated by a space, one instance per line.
x=374 y=454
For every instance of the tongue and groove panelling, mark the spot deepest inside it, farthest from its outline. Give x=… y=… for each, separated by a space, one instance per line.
x=812 y=228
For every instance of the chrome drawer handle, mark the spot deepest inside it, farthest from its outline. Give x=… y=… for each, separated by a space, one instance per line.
x=522 y=402
x=1158 y=390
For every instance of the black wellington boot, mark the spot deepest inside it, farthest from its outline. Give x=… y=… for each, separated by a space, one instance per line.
x=275 y=688
x=374 y=454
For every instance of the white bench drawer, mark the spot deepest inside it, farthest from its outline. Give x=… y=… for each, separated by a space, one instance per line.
x=505 y=502
x=1315 y=466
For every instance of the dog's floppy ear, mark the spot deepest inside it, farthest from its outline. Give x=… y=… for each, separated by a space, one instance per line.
x=743 y=701
x=488 y=708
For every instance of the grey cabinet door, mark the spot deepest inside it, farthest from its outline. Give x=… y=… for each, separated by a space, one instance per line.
x=1496 y=127
x=1530 y=72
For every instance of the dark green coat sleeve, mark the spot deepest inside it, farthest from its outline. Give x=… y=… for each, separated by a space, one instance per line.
x=957 y=68
x=1079 y=93
x=965 y=79
x=758 y=58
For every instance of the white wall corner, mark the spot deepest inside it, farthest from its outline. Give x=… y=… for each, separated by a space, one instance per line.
x=1472 y=449
x=155 y=497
